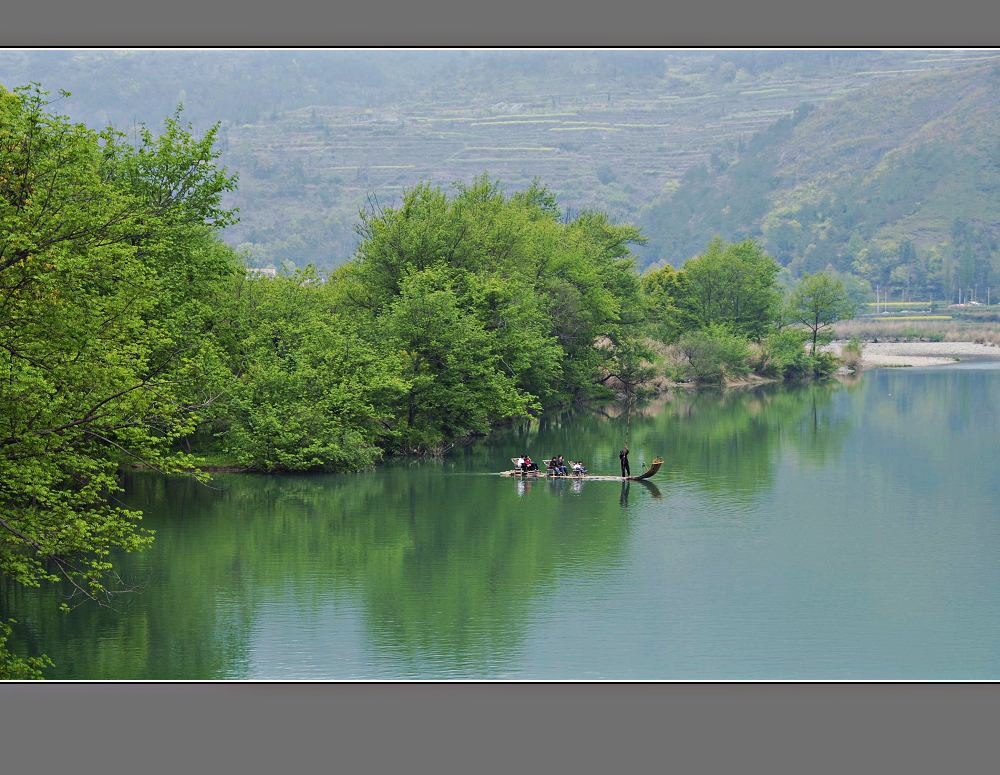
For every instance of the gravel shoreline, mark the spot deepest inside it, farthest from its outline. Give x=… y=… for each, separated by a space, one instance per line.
x=876 y=354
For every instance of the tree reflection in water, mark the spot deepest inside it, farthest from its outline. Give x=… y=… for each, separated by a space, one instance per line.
x=443 y=562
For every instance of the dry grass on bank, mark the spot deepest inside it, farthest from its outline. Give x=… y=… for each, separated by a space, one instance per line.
x=868 y=330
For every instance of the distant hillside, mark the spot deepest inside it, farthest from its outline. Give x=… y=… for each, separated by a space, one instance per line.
x=313 y=133
x=899 y=146
x=899 y=183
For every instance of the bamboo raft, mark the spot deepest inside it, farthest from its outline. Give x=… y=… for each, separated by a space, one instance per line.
x=651 y=471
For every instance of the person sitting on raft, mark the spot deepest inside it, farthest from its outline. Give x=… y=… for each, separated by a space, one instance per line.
x=578 y=468
x=519 y=463
x=561 y=468
x=529 y=465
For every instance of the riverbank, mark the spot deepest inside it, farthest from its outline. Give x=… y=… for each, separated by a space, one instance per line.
x=901 y=354
x=669 y=364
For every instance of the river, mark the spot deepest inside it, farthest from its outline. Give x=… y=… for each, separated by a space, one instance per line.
x=831 y=531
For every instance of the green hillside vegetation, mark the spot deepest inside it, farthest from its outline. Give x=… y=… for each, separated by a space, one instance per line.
x=898 y=184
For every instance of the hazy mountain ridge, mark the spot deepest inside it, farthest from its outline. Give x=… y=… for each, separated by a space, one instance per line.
x=853 y=178
x=313 y=133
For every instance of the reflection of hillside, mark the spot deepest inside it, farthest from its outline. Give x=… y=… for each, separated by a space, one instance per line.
x=173 y=625
x=436 y=568
x=443 y=561
x=895 y=403
x=444 y=566
x=915 y=395
x=728 y=443
x=460 y=559
x=724 y=441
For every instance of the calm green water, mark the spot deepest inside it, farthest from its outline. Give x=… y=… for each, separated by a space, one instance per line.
x=839 y=531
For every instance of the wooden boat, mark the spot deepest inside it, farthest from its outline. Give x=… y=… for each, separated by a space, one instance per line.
x=651 y=471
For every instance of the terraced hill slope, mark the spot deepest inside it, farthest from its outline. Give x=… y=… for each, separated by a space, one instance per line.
x=314 y=134
x=902 y=176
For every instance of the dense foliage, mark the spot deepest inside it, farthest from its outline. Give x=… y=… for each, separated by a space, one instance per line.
x=492 y=303
x=109 y=280
x=129 y=334
x=306 y=391
x=714 y=353
x=727 y=314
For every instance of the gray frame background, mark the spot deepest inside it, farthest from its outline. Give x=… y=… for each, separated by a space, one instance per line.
x=500 y=23
x=482 y=728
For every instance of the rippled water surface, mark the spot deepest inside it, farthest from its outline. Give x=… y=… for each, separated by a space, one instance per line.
x=832 y=531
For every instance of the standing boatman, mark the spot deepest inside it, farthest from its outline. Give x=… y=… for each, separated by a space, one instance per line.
x=623 y=457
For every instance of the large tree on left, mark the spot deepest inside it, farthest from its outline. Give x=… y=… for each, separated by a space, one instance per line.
x=113 y=301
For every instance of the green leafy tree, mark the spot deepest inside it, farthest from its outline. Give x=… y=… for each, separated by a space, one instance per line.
x=456 y=382
x=592 y=291
x=734 y=285
x=714 y=353
x=545 y=289
x=628 y=360
x=311 y=393
x=819 y=301
x=109 y=283
x=665 y=303
x=512 y=310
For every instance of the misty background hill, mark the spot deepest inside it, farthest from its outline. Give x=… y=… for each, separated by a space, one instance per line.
x=906 y=166
x=884 y=164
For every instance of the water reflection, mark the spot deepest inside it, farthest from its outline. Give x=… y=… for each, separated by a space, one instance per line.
x=624 y=496
x=437 y=568
x=652 y=489
x=444 y=567
x=726 y=442
x=441 y=567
